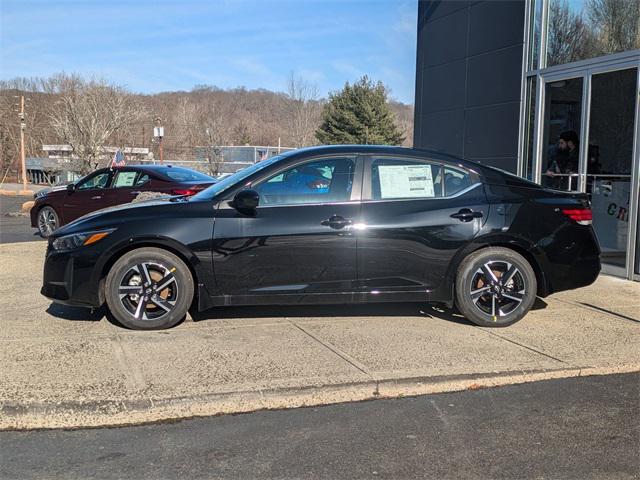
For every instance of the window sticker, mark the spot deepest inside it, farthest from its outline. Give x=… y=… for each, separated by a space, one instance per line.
x=125 y=179
x=405 y=181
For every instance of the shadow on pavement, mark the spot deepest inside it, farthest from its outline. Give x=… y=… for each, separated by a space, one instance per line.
x=66 y=312
x=401 y=310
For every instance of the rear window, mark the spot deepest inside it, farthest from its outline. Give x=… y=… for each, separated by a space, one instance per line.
x=184 y=175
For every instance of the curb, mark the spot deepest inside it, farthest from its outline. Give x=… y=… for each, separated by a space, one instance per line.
x=17 y=193
x=119 y=413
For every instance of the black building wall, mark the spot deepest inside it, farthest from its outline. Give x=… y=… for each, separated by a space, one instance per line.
x=468 y=77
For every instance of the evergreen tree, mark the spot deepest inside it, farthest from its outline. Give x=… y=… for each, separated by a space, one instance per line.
x=359 y=114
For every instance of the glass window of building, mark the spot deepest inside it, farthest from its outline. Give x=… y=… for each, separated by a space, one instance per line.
x=561 y=140
x=582 y=29
x=535 y=34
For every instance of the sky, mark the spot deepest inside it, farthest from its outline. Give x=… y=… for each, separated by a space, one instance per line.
x=153 y=46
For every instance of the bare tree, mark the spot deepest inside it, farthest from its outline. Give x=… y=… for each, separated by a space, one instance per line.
x=65 y=108
x=302 y=110
x=569 y=35
x=615 y=25
x=90 y=114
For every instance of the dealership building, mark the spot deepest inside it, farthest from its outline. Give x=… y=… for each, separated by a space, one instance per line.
x=546 y=89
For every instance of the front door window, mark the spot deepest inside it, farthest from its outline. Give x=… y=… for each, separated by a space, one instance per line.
x=320 y=181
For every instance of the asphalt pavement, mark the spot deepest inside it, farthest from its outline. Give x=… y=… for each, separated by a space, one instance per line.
x=15 y=228
x=570 y=428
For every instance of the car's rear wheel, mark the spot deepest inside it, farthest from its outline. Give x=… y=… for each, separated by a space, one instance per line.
x=149 y=289
x=495 y=287
x=48 y=221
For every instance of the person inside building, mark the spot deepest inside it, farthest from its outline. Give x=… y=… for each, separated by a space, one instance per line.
x=564 y=162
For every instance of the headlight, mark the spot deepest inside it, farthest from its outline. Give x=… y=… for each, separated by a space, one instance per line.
x=70 y=242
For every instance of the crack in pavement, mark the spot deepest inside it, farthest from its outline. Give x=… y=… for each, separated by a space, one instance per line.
x=133 y=375
x=522 y=345
x=344 y=356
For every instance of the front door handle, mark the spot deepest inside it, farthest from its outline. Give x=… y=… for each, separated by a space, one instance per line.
x=97 y=197
x=466 y=215
x=336 y=222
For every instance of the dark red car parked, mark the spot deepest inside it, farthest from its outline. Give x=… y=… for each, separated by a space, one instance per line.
x=108 y=187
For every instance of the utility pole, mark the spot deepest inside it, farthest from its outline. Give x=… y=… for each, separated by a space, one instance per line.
x=158 y=132
x=22 y=157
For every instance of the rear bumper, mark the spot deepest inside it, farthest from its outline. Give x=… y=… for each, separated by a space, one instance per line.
x=573 y=260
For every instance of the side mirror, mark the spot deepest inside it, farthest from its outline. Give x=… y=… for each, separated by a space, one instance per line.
x=246 y=200
x=71 y=187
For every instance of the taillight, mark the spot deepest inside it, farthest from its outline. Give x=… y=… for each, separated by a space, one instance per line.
x=581 y=215
x=187 y=191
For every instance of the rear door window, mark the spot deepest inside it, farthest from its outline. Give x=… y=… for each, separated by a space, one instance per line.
x=456 y=180
x=404 y=178
x=124 y=179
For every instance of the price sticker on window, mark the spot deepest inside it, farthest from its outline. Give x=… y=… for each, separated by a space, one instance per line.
x=406 y=181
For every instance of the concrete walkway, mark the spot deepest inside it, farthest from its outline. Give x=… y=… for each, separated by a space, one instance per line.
x=65 y=367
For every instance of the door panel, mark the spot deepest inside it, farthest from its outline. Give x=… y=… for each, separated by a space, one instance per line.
x=299 y=241
x=285 y=250
x=420 y=214
x=407 y=245
x=123 y=186
x=88 y=196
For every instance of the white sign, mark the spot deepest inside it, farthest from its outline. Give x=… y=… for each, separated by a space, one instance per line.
x=610 y=207
x=405 y=181
x=158 y=131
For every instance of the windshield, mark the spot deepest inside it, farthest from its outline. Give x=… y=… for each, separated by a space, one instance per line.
x=184 y=175
x=231 y=180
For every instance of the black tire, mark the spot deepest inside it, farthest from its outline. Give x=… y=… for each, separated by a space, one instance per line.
x=485 y=297
x=48 y=220
x=167 y=296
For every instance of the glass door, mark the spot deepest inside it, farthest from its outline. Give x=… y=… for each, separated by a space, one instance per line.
x=610 y=162
x=585 y=143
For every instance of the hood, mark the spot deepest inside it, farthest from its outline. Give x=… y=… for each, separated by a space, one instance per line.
x=46 y=191
x=68 y=228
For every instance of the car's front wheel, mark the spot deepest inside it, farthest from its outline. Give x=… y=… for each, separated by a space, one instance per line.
x=48 y=221
x=495 y=287
x=149 y=289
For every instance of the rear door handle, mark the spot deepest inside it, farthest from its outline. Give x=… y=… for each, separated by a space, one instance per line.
x=466 y=215
x=97 y=197
x=136 y=193
x=336 y=222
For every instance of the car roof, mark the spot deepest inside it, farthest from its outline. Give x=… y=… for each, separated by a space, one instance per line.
x=380 y=150
x=488 y=172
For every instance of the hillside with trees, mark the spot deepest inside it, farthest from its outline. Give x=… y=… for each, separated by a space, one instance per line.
x=89 y=113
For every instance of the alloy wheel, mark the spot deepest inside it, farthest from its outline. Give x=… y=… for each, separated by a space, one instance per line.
x=497 y=288
x=47 y=221
x=148 y=290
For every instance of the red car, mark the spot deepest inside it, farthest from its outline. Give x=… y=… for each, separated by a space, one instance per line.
x=108 y=187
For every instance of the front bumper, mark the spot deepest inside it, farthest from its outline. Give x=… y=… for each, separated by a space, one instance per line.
x=70 y=278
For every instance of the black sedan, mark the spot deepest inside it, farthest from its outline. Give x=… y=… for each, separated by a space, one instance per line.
x=338 y=224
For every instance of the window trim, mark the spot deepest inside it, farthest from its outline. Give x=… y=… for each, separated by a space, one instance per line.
x=356 y=188
x=367 y=194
